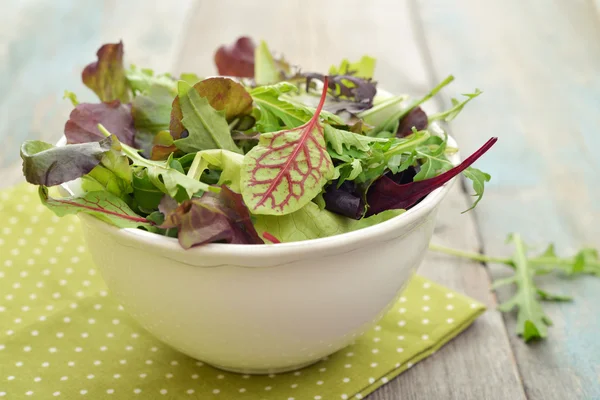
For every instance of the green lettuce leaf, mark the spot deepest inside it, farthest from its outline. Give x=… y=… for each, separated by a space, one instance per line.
x=310 y=222
x=339 y=140
x=265 y=68
x=151 y=113
x=142 y=79
x=113 y=174
x=102 y=205
x=363 y=68
x=228 y=162
x=45 y=164
x=207 y=128
x=106 y=77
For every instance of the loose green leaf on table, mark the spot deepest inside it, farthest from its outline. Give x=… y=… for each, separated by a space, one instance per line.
x=532 y=322
x=47 y=165
x=106 y=77
x=287 y=169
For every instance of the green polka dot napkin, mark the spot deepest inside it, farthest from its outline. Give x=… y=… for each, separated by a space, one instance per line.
x=62 y=335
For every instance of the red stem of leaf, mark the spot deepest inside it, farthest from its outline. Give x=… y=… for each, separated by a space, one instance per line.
x=105 y=211
x=300 y=146
x=271 y=238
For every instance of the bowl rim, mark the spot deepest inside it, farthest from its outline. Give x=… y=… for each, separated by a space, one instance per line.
x=245 y=254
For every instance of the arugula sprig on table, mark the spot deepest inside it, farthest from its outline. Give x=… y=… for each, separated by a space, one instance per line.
x=532 y=321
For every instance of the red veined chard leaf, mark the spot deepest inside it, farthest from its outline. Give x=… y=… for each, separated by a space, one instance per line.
x=212 y=218
x=385 y=194
x=287 y=169
x=82 y=125
x=106 y=77
x=102 y=205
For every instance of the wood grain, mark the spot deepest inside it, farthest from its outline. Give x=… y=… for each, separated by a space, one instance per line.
x=538 y=64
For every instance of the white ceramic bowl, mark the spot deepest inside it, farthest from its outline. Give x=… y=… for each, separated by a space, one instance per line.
x=263 y=308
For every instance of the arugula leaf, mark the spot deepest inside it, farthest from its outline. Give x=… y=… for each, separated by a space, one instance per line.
x=207 y=127
x=287 y=169
x=82 y=125
x=163 y=174
x=267 y=99
x=106 y=77
x=113 y=174
x=310 y=222
x=228 y=162
x=339 y=139
x=363 y=68
x=391 y=123
x=45 y=164
x=236 y=59
x=212 y=218
x=478 y=179
x=102 y=205
x=456 y=108
x=532 y=322
x=386 y=194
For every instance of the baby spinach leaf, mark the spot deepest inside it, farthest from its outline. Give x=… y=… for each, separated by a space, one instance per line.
x=45 y=164
x=102 y=205
x=82 y=125
x=106 y=77
x=287 y=169
x=212 y=218
x=310 y=222
x=206 y=126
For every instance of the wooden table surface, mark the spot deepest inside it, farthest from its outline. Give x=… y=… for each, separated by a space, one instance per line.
x=538 y=63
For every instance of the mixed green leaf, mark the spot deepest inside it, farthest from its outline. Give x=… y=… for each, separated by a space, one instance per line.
x=249 y=156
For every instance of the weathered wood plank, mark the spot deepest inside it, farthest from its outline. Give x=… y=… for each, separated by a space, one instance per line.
x=48 y=51
x=478 y=364
x=538 y=64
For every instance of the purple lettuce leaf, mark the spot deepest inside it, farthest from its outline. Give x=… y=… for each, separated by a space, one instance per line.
x=82 y=126
x=212 y=218
x=415 y=118
x=344 y=200
x=47 y=165
x=106 y=77
x=385 y=194
x=236 y=59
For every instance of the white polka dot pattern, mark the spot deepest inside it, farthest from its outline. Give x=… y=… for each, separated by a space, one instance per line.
x=63 y=336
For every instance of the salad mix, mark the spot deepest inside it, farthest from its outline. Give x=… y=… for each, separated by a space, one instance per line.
x=262 y=153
